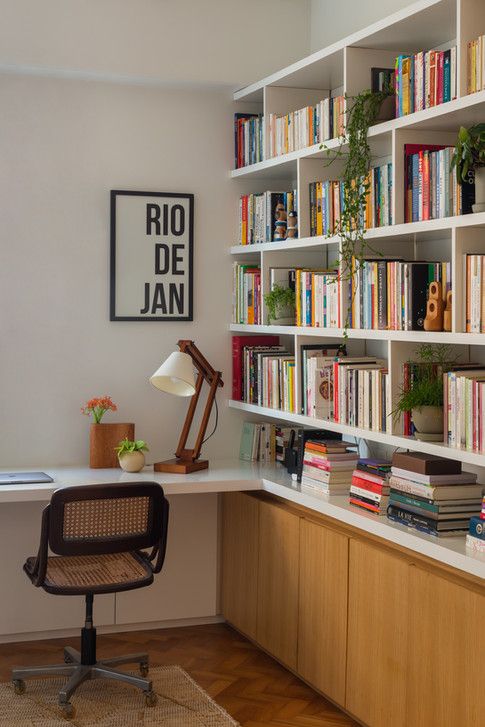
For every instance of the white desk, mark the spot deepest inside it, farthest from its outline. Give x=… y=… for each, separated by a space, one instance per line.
x=186 y=591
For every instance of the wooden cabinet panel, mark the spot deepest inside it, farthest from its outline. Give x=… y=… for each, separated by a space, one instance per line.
x=240 y=543
x=277 y=620
x=446 y=653
x=377 y=636
x=322 y=622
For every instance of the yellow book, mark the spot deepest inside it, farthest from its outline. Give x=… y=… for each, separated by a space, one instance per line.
x=406 y=79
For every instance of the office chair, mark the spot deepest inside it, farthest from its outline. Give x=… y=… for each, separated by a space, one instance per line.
x=99 y=534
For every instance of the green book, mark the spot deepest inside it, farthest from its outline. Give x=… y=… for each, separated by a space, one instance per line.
x=247 y=439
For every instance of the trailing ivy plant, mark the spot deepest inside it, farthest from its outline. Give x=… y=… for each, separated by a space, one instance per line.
x=354 y=149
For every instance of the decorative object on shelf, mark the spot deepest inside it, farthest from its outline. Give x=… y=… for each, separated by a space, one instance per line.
x=424 y=398
x=176 y=376
x=103 y=438
x=280 y=222
x=447 y=312
x=131 y=454
x=292 y=228
x=434 y=308
x=280 y=304
x=469 y=160
x=151 y=256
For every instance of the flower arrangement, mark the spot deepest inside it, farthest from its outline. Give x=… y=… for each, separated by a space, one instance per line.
x=98 y=408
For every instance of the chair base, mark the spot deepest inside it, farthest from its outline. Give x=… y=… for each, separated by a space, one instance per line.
x=79 y=672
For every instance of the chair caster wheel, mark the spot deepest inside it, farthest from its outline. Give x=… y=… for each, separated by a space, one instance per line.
x=150 y=699
x=144 y=669
x=68 y=710
x=18 y=686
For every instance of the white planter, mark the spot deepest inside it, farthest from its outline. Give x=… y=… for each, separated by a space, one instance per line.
x=132 y=461
x=285 y=316
x=428 y=421
x=479 y=205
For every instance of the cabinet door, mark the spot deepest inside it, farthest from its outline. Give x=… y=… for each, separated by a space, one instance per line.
x=322 y=623
x=277 y=620
x=377 y=636
x=446 y=653
x=240 y=523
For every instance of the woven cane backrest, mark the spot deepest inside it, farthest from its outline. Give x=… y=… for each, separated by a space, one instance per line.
x=105 y=518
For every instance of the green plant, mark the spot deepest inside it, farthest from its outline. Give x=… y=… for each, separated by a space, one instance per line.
x=354 y=149
x=427 y=388
x=278 y=298
x=126 y=446
x=469 y=152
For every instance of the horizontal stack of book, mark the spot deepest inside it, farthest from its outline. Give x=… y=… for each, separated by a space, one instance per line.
x=432 y=494
x=268 y=377
x=263 y=442
x=391 y=294
x=430 y=186
x=246 y=302
x=475 y=293
x=475 y=540
x=248 y=139
x=317 y=298
x=327 y=467
x=327 y=200
x=425 y=79
x=369 y=489
x=475 y=77
x=305 y=127
x=257 y=215
x=464 y=407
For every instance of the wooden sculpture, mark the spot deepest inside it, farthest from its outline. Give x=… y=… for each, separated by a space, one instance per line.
x=434 y=308
x=447 y=313
x=292 y=229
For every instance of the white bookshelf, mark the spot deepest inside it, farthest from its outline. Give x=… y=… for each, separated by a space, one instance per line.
x=344 y=67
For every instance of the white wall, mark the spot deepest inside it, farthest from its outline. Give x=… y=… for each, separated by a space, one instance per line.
x=330 y=21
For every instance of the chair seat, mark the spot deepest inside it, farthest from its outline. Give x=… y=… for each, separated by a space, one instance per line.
x=83 y=574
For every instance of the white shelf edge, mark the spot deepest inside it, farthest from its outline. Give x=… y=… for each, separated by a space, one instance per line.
x=440 y=449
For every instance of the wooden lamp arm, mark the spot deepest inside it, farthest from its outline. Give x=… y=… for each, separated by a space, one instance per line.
x=200 y=362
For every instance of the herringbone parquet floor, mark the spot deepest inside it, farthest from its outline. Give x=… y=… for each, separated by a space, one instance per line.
x=252 y=687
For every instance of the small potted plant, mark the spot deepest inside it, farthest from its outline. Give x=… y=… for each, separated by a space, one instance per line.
x=280 y=304
x=103 y=437
x=130 y=454
x=469 y=161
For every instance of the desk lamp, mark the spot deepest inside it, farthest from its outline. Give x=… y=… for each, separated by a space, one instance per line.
x=176 y=376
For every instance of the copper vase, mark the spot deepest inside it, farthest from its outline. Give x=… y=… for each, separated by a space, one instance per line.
x=103 y=438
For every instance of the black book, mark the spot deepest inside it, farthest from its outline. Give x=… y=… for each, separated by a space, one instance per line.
x=426 y=522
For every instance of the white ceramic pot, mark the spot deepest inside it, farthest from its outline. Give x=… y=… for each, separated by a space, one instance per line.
x=132 y=461
x=285 y=316
x=428 y=419
x=479 y=205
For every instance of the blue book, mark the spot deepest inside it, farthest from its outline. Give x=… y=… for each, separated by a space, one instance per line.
x=477 y=528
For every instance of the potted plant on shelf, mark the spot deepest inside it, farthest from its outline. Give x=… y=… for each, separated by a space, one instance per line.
x=280 y=304
x=130 y=454
x=424 y=397
x=104 y=437
x=469 y=161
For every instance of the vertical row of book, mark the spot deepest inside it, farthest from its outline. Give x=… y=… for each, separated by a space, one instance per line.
x=258 y=214
x=424 y=80
x=475 y=78
x=246 y=299
x=475 y=293
x=248 y=139
x=263 y=442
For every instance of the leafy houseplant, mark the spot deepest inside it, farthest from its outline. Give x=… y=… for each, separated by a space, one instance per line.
x=469 y=161
x=130 y=454
x=280 y=303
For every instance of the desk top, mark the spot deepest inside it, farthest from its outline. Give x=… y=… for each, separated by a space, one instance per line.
x=237 y=476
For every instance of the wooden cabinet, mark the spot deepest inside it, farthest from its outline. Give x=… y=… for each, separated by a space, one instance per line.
x=322 y=623
x=240 y=547
x=377 y=636
x=446 y=652
x=277 y=614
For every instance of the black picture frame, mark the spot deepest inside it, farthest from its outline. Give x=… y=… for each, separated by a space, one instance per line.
x=113 y=316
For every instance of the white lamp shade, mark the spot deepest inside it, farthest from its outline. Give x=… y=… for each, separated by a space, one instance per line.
x=175 y=375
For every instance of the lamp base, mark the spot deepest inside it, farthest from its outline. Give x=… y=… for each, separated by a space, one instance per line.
x=181 y=466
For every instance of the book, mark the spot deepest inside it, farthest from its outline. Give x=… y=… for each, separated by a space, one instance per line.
x=427 y=522
x=477 y=528
x=443 y=492
x=459 y=505
x=248 y=139
x=238 y=343
x=424 y=79
x=425 y=464
x=464 y=478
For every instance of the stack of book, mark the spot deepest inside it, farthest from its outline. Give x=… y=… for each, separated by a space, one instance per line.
x=305 y=127
x=248 y=139
x=317 y=298
x=432 y=494
x=328 y=467
x=246 y=303
x=257 y=215
x=327 y=200
x=268 y=377
x=475 y=293
x=390 y=294
x=430 y=186
x=464 y=407
x=475 y=539
x=369 y=489
x=263 y=442
x=425 y=79
x=475 y=78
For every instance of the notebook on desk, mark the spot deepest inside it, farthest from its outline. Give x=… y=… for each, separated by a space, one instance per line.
x=23 y=478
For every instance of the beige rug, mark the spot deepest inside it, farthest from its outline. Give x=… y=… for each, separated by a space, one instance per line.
x=101 y=703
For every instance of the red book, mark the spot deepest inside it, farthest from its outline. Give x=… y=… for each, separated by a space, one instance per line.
x=238 y=343
x=367 y=485
x=425 y=184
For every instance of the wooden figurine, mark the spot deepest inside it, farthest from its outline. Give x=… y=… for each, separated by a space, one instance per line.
x=292 y=229
x=280 y=222
x=434 y=308
x=447 y=313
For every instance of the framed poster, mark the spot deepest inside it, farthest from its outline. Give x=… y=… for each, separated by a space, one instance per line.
x=152 y=240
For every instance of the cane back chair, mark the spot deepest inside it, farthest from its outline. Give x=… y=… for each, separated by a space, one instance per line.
x=105 y=539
